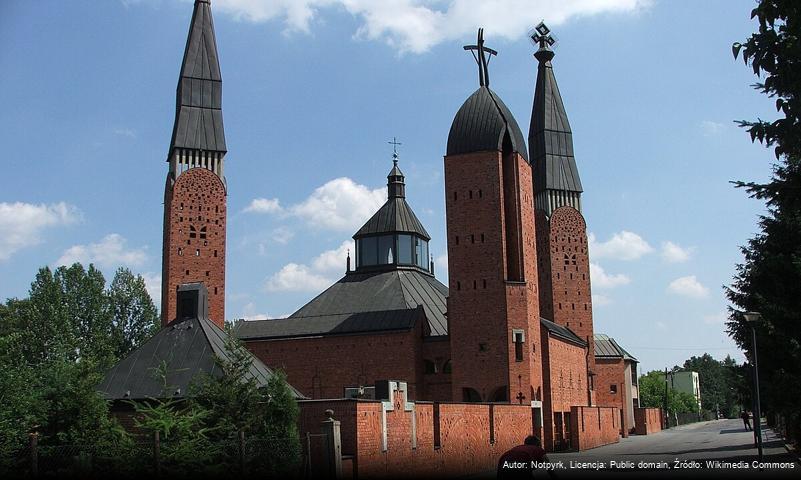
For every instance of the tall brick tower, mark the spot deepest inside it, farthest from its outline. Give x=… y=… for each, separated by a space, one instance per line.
x=564 y=265
x=493 y=309
x=195 y=191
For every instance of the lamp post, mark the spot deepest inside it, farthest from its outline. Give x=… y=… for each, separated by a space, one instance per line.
x=666 y=415
x=752 y=318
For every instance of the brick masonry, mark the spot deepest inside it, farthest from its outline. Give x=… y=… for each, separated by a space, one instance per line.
x=492 y=277
x=595 y=426
x=648 y=420
x=611 y=389
x=194 y=240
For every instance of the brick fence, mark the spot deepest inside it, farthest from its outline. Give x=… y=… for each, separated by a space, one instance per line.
x=647 y=420
x=595 y=426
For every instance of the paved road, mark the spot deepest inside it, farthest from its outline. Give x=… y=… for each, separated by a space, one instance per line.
x=692 y=445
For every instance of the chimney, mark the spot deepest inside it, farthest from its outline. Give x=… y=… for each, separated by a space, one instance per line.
x=193 y=301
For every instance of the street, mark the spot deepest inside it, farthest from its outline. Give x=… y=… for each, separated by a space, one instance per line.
x=696 y=447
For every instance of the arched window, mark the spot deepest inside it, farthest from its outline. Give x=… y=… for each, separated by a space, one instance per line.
x=446 y=367
x=202 y=232
x=470 y=395
x=501 y=394
x=192 y=231
x=429 y=367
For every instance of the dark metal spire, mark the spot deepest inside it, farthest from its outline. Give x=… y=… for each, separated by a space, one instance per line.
x=550 y=139
x=479 y=52
x=396 y=186
x=198 y=116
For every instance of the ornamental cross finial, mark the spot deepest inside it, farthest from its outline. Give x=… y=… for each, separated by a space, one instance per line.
x=542 y=37
x=479 y=52
x=395 y=144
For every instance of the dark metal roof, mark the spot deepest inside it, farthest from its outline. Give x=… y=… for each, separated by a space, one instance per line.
x=189 y=348
x=607 y=347
x=394 y=216
x=562 y=332
x=481 y=124
x=363 y=302
x=549 y=136
x=337 y=324
x=198 y=114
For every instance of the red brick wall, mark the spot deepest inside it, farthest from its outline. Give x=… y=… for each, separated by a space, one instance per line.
x=483 y=307
x=609 y=372
x=322 y=367
x=648 y=420
x=595 y=426
x=566 y=295
x=472 y=437
x=196 y=200
x=566 y=372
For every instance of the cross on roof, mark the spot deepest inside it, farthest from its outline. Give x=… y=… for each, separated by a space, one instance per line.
x=395 y=144
x=542 y=36
x=479 y=50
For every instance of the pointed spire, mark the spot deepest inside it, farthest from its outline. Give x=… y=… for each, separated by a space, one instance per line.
x=550 y=139
x=198 y=116
x=396 y=186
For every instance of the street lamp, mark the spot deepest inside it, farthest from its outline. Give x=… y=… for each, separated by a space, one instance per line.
x=752 y=318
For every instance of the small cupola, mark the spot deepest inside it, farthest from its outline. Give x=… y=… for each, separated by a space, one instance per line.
x=393 y=237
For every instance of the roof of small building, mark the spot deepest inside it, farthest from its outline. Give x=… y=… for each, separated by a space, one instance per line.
x=560 y=331
x=481 y=124
x=198 y=112
x=362 y=302
x=607 y=347
x=189 y=348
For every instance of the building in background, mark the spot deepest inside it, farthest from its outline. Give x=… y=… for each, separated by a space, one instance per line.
x=616 y=379
x=688 y=382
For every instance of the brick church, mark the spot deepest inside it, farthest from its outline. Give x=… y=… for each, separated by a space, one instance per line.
x=514 y=325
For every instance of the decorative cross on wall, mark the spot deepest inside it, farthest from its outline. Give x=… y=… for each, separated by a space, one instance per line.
x=520 y=397
x=479 y=52
x=542 y=36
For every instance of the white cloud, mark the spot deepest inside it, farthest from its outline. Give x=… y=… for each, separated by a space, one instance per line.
x=341 y=204
x=249 y=312
x=674 y=253
x=282 y=235
x=711 y=129
x=125 y=132
x=153 y=286
x=108 y=252
x=688 y=286
x=22 y=224
x=601 y=279
x=417 y=25
x=623 y=245
x=264 y=205
x=318 y=275
x=441 y=266
x=600 y=300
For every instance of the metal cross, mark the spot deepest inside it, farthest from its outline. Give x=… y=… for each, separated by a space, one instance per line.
x=542 y=36
x=479 y=50
x=395 y=144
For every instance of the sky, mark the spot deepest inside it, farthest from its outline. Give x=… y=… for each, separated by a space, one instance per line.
x=313 y=91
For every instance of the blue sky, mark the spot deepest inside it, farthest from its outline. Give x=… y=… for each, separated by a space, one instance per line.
x=312 y=92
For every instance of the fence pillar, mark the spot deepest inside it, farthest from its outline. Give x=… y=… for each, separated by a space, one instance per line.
x=333 y=441
x=157 y=452
x=34 y=439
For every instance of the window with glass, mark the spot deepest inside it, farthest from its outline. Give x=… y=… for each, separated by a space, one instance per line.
x=368 y=251
x=386 y=250
x=405 y=250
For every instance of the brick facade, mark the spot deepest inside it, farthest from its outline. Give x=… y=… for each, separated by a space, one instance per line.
x=566 y=296
x=595 y=426
x=492 y=277
x=613 y=388
x=566 y=373
x=194 y=240
x=648 y=420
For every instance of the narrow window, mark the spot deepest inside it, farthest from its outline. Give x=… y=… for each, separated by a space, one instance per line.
x=187 y=272
x=472 y=238
x=484 y=282
x=612 y=388
x=471 y=193
x=457 y=239
x=192 y=231
x=482 y=238
x=197 y=252
x=455 y=196
x=458 y=286
x=180 y=251
x=215 y=290
x=474 y=284
x=479 y=193
x=215 y=253
x=518 y=339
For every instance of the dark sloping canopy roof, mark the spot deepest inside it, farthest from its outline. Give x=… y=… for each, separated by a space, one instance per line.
x=549 y=136
x=189 y=348
x=198 y=115
x=394 y=216
x=363 y=302
x=481 y=124
x=607 y=347
x=562 y=332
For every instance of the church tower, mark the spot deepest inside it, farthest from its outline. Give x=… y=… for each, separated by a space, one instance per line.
x=564 y=264
x=493 y=308
x=195 y=190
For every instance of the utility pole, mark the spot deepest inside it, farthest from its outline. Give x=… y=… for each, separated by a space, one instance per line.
x=667 y=416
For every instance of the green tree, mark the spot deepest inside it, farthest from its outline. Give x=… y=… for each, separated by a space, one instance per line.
x=769 y=279
x=134 y=316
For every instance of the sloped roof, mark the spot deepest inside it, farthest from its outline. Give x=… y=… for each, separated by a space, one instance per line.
x=607 y=347
x=189 y=348
x=481 y=124
x=198 y=115
x=550 y=138
x=394 y=216
x=362 y=302
x=562 y=332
